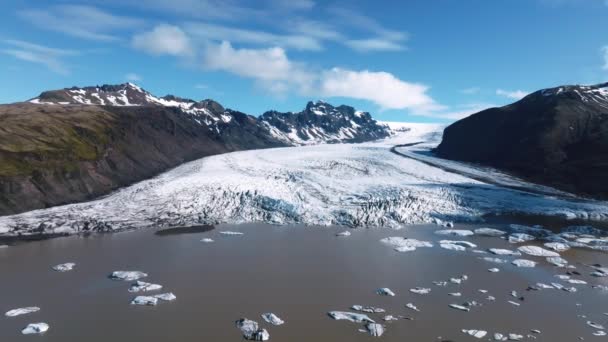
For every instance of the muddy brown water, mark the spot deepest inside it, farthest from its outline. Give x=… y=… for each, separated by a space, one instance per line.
x=299 y=273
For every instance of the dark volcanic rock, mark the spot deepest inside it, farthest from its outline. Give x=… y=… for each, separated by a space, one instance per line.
x=557 y=137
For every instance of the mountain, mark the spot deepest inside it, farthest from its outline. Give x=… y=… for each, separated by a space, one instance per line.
x=321 y=122
x=76 y=144
x=556 y=136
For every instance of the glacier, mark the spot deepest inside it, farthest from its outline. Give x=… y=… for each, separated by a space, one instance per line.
x=386 y=183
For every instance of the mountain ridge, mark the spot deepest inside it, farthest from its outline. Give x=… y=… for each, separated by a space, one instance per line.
x=556 y=136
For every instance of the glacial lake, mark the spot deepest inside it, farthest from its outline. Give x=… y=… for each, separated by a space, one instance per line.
x=299 y=273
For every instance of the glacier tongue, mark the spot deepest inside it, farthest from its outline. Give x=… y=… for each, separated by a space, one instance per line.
x=341 y=184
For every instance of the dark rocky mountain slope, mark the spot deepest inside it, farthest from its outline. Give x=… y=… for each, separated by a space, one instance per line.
x=76 y=144
x=556 y=136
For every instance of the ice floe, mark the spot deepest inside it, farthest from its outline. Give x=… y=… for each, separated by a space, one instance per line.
x=167 y=297
x=537 y=251
x=128 y=275
x=142 y=286
x=385 y=291
x=375 y=329
x=557 y=261
x=557 y=246
x=421 y=290
x=475 y=333
x=207 y=240
x=520 y=237
x=411 y=306
x=251 y=330
x=489 y=232
x=35 y=328
x=402 y=244
x=145 y=300
x=501 y=251
x=229 y=233
x=68 y=266
x=493 y=270
x=350 y=316
x=455 y=232
x=344 y=233
x=22 y=311
x=368 y=309
x=460 y=307
x=272 y=319
x=495 y=260
x=523 y=263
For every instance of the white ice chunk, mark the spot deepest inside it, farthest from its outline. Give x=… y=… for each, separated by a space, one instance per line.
x=489 y=232
x=500 y=251
x=344 y=233
x=421 y=290
x=144 y=300
x=375 y=329
x=251 y=330
x=402 y=244
x=35 y=328
x=167 y=297
x=537 y=251
x=385 y=291
x=231 y=233
x=350 y=316
x=127 y=275
x=455 y=232
x=144 y=287
x=272 y=319
x=68 y=266
x=523 y=263
x=207 y=240
x=22 y=311
x=475 y=333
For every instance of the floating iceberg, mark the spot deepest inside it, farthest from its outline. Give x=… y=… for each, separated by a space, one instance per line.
x=127 y=275
x=523 y=263
x=251 y=330
x=142 y=286
x=500 y=251
x=520 y=237
x=207 y=240
x=385 y=291
x=35 y=328
x=455 y=232
x=537 y=251
x=489 y=232
x=421 y=290
x=144 y=300
x=231 y=233
x=167 y=297
x=272 y=319
x=344 y=233
x=22 y=311
x=68 y=266
x=375 y=329
x=350 y=316
x=475 y=333
x=402 y=244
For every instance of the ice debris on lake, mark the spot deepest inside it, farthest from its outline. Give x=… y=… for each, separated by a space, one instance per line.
x=368 y=309
x=493 y=270
x=460 y=307
x=520 y=237
x=145 y=300
x=489 y=232
x=375 y=329
x=495 y=260
x=523 y=263
x=537 y=251
x=142 y=286
x=557 y=261
x=344 y=233
x=456 y=245
x=595 y=325
x=557 y=246
x=127 y=275
x=385 y=291
x=455 y=232
x=411 y=306
x=421 y=290
x=272 y=319
x=500 y=251
x=35 y=328
x=229 y=233
x=207 y=240
x=167 y=297
x=475 y=333
x=350 y=316
x=22 y=311
x=251 y=330
x=68 y=266
x=401 y=244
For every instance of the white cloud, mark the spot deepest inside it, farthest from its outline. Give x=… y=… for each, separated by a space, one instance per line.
x=605 y=52
x=133 y=77
x=382 y=88
x=374 y=44
x=471 y=90
x=457 y=112
x=39 y=54
x=80 y=21
x=514 y=95
x=164 y=40
x=236 y=35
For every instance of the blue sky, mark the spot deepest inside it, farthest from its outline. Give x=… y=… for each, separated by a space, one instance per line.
x=426 y=61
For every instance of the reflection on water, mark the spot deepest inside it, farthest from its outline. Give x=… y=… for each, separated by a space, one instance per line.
x=299 y=273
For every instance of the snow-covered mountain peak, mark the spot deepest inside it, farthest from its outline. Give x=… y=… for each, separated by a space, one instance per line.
x=592 y=94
